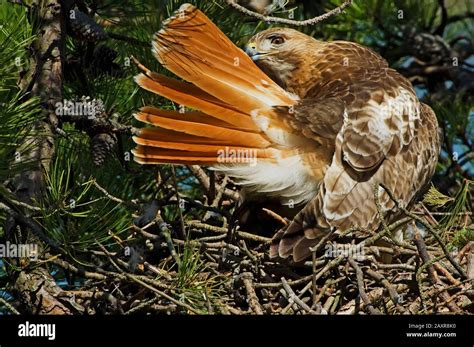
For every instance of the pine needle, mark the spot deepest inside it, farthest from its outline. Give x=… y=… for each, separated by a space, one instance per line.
x=435 y=198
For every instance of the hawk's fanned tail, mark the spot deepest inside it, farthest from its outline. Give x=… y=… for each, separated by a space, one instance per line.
x=189 y=95
x=226 y=86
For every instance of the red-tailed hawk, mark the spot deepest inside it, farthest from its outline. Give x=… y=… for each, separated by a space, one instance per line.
x=315 y=123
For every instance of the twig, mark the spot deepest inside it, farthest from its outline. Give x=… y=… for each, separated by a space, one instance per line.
x=198 y=204
x=32 y=225
x=270 y=19
x=394 y=226
x=164 y=231
x=211 y=238
x=91 y=295
x=404 y=267
x=157 y=271
x=163 y=294
x=218 y=245
x=380 y=212
x=205 y=182
x=146 y=279
x=300 y=295
x=102 y=275
x=180 y=212
x=142 y=305
x=469 y=247
x=313 y=280
x=244 y=247
x=430 y=229
x=220 y=230
x=164 y=308
x=333 y=263
x=9 y=306
x=446 y=273
x=454 y=286
x=166 y=234
x=360 y=285
x=280 y=285
x=470 y=261
x=153 y=289
x=391 y=289
x=113 y=198
x=87 y=274
x=252 y=296
x=421 y=213
x=217 y=197
x=428 y=263
x=275 y=216
x=293 y=297
x=327 y=284
x=19 y=203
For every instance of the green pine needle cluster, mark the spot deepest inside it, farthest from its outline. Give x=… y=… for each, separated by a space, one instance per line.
x=435 y=198
x=453 y=226
x=195 y=282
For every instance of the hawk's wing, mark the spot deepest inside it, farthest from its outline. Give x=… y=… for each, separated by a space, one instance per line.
x=380 y=134
x=344 y=202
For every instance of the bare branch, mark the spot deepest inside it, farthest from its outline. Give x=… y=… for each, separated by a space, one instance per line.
x=270 y=19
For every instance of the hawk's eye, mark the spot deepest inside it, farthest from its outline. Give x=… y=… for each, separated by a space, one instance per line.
x=277 y=40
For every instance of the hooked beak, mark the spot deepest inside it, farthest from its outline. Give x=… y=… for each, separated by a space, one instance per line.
x=251 y=50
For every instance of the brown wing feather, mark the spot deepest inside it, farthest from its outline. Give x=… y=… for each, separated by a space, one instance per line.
x=384 y=135
x=345 y=202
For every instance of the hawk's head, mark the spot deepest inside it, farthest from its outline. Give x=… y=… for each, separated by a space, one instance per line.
x=280 y=51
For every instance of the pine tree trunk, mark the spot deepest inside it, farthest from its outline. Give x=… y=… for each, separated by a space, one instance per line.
x=36 y=287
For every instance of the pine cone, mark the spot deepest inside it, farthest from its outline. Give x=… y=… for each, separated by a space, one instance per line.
x=103 y=53
x=103 y=61
x=429 y=48
x=84 y=27
x=102 y=144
